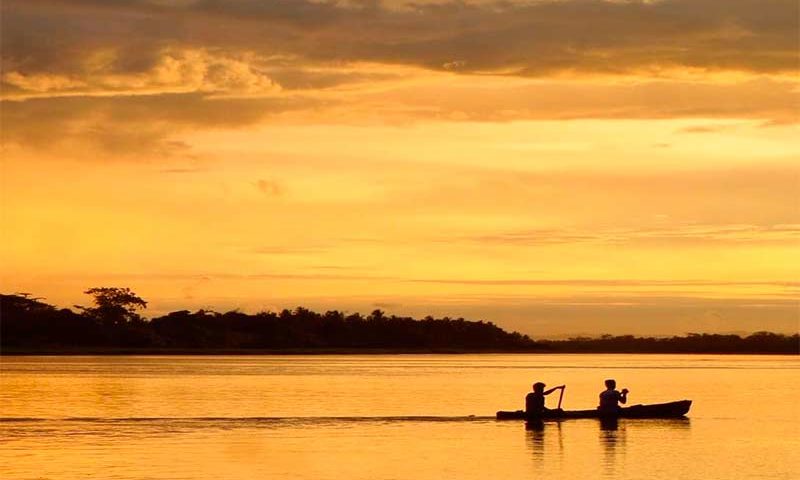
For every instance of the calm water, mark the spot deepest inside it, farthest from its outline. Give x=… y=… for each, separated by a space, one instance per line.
x=390 y=417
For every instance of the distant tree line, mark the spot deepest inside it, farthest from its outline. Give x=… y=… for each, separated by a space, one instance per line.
x=759 y=342
x=113 y=324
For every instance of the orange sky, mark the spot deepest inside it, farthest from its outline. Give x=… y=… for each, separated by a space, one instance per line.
x=558 y=167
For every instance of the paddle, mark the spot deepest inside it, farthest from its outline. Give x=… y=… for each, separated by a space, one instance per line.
x=561 y=397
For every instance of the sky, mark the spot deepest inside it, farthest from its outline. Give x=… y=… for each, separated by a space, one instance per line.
x=558 y=167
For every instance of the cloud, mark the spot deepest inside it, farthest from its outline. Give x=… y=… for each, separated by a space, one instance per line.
x=606 y=283
x=134 y=125
x=624 y=309
x=178 y=171
x=454 y=65
x=497 y=99
x=157 y=69
x=289 y=250
x=746 y=204
x=174 y=71
x=215 y=276
x=56 y=44
x=270 y=188
x=129 y=126
x=387 y=305
x=543 y=317
x=673 y=235
x=707 y=128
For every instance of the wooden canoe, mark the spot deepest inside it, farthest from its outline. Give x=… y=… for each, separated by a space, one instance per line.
x=658 y=410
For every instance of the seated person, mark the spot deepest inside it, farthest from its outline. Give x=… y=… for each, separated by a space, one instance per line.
x=534 y=401
x=610 y=398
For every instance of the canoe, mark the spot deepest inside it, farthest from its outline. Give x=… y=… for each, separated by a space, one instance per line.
x=657 y=410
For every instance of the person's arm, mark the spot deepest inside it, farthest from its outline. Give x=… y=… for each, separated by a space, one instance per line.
x=623 y=396
x=548 y=392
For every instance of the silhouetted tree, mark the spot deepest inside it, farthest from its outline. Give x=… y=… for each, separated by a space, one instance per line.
x=114 y=306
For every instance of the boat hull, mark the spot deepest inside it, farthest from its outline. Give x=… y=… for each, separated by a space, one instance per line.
x=660 y=410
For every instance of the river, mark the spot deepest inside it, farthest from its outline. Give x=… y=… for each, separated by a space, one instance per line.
x=390 y=417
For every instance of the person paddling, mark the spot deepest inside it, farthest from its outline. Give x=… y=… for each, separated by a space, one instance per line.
x=534 y=401
x=610 y=398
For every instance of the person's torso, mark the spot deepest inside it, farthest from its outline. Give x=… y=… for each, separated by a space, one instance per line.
x=534 y=402
x=609 y=399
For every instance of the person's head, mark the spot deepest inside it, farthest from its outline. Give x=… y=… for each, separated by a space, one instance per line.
x=611 y=384
x=538 y=387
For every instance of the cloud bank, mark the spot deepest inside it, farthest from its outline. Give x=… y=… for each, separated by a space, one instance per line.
x=88 y=45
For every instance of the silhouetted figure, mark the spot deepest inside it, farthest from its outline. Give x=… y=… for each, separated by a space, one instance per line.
x=610 y=398
x=534 y=401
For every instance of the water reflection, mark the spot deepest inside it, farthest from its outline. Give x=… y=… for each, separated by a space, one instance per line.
x=536 y=434
x=613 y=435
x=552 y=443
x=612 y=441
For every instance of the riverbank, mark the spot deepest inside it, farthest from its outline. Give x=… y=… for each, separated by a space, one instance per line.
x=66 y=351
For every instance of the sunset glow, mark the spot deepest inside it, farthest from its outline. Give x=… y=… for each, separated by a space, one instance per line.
x=557 y=167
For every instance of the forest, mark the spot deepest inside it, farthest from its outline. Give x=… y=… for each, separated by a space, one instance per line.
x=113 y=324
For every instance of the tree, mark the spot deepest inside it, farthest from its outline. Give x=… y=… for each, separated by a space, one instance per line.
x=114 y=305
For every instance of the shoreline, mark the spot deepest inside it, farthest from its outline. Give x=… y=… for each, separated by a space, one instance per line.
x=55 y=352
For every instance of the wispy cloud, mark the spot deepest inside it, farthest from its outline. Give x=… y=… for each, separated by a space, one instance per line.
x=181 y=170
x=673 y=235
x=288 y=250
x=212 y=276
x=608 y=283
x=711 y=128
x=271 y=188
x=779 y=286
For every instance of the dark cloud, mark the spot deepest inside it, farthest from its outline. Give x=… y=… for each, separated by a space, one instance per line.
x=137 y=124
x=130 y=125
x=298 y=78
x=529 y=38
x=165 y=61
